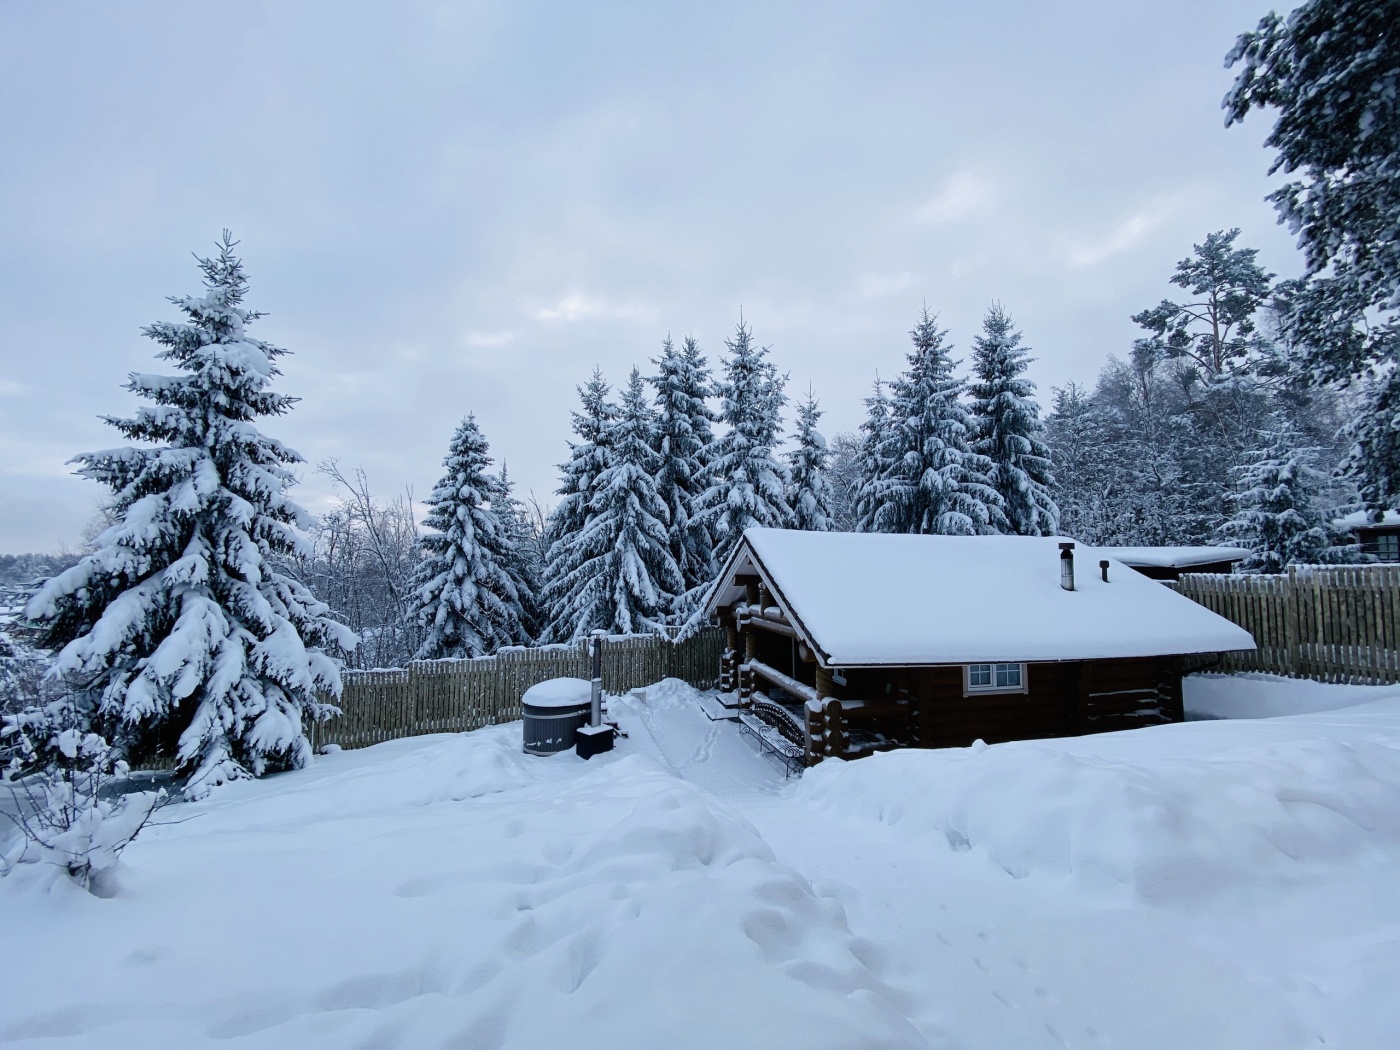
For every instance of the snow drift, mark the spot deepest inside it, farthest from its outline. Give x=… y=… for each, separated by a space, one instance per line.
x=1126 y=813
x=448 y=891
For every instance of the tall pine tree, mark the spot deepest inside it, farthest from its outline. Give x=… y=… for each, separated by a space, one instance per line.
x=1330 y=73
x=809 y=492
x=747 y=482
x=182 y=625
x=617 y=573
x=931 y=480
x=588 y=458
x=871 y=466
x=1278 y=512
x=523 y=556
x=466 y=597
x=683 y=434
x=1009 y=431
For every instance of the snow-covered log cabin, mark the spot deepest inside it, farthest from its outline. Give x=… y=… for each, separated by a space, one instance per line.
x=848 y=643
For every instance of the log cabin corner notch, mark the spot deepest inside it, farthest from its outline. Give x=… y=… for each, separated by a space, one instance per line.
x=849 y=643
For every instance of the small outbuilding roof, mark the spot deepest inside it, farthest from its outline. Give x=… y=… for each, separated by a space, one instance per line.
x=1360 y=519
x=1174 y=557
x=870 y=599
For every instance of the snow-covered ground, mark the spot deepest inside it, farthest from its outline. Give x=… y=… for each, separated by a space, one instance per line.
x=1222 y=883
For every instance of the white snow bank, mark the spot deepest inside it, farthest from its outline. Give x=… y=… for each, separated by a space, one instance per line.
x=559 y=692
x=1171 y=814
x=1269 y=696
x=446 y=891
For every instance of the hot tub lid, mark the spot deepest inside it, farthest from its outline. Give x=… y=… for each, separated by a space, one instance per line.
x=559 y=692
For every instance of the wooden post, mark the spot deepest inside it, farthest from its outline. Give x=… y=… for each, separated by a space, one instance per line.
x=729 y=661
x=746 y=677
x=825 y=685
x=1290 y=623
x=1085 y=684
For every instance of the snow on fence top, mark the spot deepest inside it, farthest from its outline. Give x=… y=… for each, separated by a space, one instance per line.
x=867 y=599
x=1173 y=557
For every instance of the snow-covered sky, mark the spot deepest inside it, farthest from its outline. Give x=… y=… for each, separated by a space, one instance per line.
x=449 y=206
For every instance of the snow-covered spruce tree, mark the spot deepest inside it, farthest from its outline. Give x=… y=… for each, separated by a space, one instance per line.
x=465 y=596
x=747 y=482
x=809 y=493
x=588 y=458
x=871 y=466
x=1279 y=512
x=524 y=559
x=843 y=472
x=181 y=623
x=932 y=482
x=1089 y=474
x=1009 y=431
x=1330 y=71
x=617 y=573
x=682 y=383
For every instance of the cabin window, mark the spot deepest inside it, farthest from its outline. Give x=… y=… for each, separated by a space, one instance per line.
x=995 y=678
x=1388 y=547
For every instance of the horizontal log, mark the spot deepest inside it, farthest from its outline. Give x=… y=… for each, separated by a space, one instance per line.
x=767 y=624
x=782 y=681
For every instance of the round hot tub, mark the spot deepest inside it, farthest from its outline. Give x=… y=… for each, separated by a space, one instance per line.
x=553 y=711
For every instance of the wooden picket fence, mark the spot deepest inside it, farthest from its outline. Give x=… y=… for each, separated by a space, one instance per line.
x=450 y=696
x=1332 y=623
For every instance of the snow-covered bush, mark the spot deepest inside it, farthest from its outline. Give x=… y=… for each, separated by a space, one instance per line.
x=64 y=780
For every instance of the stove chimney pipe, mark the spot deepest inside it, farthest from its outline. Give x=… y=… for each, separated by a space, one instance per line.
x=1067 y=566
x=595 y=708
x=1103 y=568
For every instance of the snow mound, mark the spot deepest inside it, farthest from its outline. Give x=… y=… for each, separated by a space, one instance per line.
x=1161 y=827
x=1269 y=696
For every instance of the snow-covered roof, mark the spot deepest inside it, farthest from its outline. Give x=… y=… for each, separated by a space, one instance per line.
x=1174 y=557
x=867 y=599
x=1361 y=518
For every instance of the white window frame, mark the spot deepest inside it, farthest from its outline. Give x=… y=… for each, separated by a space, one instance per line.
x=982 y=690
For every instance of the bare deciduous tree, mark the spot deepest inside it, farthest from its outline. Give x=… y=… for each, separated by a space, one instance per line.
x=364 y=553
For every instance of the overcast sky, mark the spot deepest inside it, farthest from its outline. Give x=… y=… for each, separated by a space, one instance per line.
x=449 y=207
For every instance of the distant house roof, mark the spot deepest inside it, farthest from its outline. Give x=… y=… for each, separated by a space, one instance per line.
x=1174 y=557
x=870 y=599
x=1361 y=519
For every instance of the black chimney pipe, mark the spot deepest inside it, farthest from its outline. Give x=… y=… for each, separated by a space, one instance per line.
x=1067 y=566
x=1103 y=568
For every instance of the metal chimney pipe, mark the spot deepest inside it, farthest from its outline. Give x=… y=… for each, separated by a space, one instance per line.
x=595 y=711
x=1103 y=568
x=1067 y=566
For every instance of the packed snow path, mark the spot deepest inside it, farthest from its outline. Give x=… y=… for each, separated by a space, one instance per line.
x=1214 y=884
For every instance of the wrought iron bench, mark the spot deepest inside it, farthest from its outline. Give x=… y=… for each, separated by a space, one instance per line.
x=774 y=727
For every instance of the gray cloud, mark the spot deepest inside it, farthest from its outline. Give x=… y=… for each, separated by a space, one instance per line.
x=452 y=207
